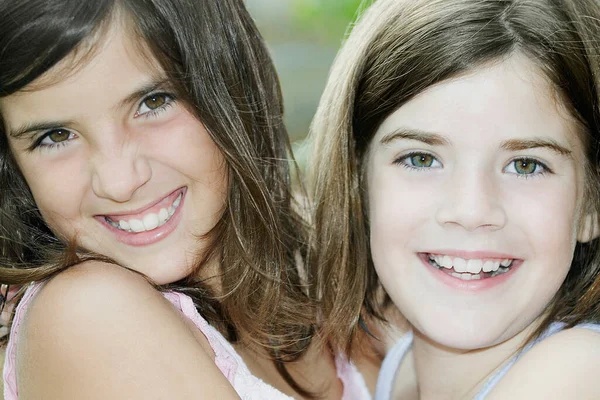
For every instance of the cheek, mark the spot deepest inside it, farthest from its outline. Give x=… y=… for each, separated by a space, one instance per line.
x=191 y=152
x=394 y=221
x=59 y=203
x=398 y=209
x=398 y=215
x=57 y=188
x=547 y=218
x=188 y=147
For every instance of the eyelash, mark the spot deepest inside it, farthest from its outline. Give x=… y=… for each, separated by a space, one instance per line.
x=545 y=169
x=37 y=144
x=403 y=161
x=152 y=113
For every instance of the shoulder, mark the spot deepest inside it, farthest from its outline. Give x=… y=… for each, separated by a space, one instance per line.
x=100 y=331
x=92 y=278
x=107 y=292
x=562 y=366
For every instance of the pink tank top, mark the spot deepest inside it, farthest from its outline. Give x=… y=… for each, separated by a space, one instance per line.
x=247 y=386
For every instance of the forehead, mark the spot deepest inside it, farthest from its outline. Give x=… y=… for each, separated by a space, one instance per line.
x=112 y=65
x=505 y=99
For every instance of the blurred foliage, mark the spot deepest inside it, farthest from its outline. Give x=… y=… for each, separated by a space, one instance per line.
x=326 y=19
x=304 y=37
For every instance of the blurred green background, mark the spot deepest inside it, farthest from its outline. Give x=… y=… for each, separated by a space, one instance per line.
x=304 y=37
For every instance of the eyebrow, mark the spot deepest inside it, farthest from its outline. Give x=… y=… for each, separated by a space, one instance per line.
x=434 y=139
x=526 y=144
x=29 y=128
x=143 y=91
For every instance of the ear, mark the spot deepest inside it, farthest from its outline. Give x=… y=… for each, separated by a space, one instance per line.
x=589 y=228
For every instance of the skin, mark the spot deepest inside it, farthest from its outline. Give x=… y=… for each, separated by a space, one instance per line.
x=113 y=159
x=476 y=188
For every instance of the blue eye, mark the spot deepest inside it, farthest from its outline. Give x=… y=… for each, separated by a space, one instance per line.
x=419 y=161
x=154 y=103
x=526 y=167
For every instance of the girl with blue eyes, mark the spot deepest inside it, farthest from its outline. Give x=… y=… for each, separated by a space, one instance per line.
x=456 y=168
x=146 y=209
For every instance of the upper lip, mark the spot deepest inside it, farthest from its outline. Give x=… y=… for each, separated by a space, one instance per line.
x=141 y=209
x=473 y=255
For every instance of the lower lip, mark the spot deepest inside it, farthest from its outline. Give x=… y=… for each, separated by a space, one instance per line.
x=149 y=237
x=473 y=285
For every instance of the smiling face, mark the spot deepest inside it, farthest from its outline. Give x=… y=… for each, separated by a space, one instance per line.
x=115 y=160
x=474 y=192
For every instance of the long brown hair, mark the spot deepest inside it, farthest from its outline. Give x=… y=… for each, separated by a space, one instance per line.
x=397 y=50
x=214 y=56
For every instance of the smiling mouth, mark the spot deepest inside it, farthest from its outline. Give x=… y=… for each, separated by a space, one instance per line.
x=471 y=269
x=148 y=221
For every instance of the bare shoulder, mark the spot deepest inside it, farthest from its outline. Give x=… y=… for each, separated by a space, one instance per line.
x=83 y=281
x=562 y=366
x=88 y=296
x=100 y=331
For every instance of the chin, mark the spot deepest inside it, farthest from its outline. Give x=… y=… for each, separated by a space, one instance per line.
x=161 y=270
x=463 y=332
x=462 y=341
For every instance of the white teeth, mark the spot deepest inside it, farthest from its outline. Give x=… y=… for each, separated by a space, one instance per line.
x=136 y=225
x=150 y=221
x=500 y=271
x=466 y=277
x=488 y=266
x=474 y=266
x=177 y=201
x=460 y=265
x=163 y=214
x=446 y=262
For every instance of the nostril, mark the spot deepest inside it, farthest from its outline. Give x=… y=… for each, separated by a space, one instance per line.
x=119 y=178
x=471 y=211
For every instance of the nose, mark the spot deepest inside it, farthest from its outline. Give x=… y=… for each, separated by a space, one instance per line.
x=118 y=175
x=472 y=200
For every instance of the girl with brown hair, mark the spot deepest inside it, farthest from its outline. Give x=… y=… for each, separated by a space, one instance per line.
x=146 y=206
x=457 y=159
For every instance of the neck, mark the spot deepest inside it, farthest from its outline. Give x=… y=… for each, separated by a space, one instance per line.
x=449 y=373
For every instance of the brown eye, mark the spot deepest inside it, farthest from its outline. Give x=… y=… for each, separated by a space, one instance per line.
x=54 y=138
x=58 y=135
x=155 y=101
